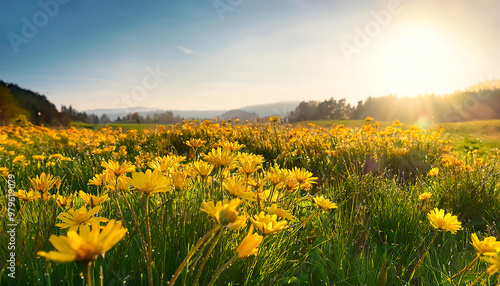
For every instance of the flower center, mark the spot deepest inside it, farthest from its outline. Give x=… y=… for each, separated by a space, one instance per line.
x=85 y=252
x=80 y=218
x=440 y=222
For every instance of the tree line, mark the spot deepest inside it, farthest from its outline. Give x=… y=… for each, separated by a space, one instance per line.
x=476 y=104
x=166 y=117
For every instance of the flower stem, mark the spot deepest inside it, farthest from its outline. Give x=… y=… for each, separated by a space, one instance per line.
x=423 y=256
x=37 y=234
x=479 y=278
x=136 y=222
x=89 y=273
x=115 y=196
x=465 y=268
x=307 y=220
x=101 y=276
x=150 y=246
x=191 y=253
x=220 y=269
x=205 y=259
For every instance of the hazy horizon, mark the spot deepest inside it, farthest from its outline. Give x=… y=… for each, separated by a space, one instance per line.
x=220 y=55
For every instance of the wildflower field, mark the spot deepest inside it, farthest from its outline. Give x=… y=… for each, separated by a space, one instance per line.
x=235 y=203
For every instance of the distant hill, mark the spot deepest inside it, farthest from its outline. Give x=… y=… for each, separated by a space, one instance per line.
x=238 y=114
x=15 y=101
x=281 y=109
x=198 y=114
x=125 y=111
x=113 y=114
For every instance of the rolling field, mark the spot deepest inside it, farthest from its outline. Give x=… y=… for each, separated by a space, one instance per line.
x=124 y=126
x=217 y=203
x=482 y=136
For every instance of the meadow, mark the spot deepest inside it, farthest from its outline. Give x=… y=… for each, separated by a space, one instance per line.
x=235 y=203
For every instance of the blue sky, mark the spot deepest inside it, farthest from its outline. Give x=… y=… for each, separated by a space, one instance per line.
x=225 y=54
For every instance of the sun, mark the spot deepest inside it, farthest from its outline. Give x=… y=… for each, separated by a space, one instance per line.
x=420 y=60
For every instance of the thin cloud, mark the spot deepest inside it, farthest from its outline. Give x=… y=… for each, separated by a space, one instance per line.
x=185 y=50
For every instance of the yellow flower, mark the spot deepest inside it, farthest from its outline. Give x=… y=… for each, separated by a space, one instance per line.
x=249 y=163
x=447 y=223
x=236 y=187
x=43 y=183
x=75 y=219
x=489 y=244
x=111 y=182
x=62 y=201
x=56 y=156
x=276 y=175
x=4 y=172
x=220 y=157
x=38 y=157
x=280 y=212
x=424 y=196
x=325 y=204
x=117 y=169
x=212 y=209
x=149 y=182
x=202 y=168
x=179 y=179
x=396 y=123
x=195 y=143
x=87 y=245
x=232 y=146
x=27 y=196
x=121 y=185
x=249 y=244
x=92 y=200
x=291 y=184
x=494 y=260
x=97 y=180
x=270 y=196
x=166 y=163
x=224 y=212
x=303 y=177
x=240 y=221
x=274 y=119
x=18 y=159
x=433 y=172
x=267 y=224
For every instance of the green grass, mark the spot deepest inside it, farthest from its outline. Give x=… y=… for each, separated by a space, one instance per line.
x=482 y=136
x=124 y=126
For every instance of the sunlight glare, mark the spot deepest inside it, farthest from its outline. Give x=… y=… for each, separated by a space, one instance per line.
x=421 y=61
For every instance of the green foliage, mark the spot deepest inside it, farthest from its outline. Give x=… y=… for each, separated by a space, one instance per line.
x=15 y=101
x=9 y=106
